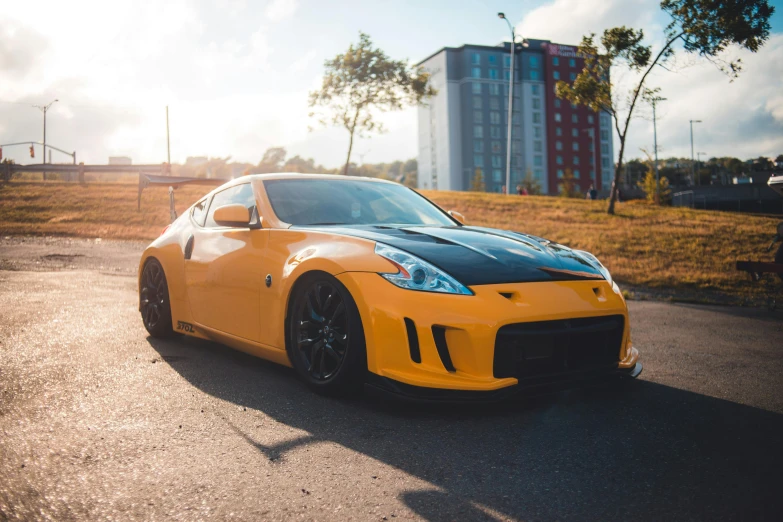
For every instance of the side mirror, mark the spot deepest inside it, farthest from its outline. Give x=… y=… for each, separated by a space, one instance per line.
x=457 y=215
x=234 y=215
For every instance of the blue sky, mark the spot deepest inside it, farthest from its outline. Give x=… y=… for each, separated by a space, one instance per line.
x=235 y=74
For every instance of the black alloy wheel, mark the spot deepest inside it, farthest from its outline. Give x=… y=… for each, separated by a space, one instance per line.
x=154 y=300
x=326 y=343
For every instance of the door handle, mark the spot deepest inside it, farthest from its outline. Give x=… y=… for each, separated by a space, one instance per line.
x=189 y=247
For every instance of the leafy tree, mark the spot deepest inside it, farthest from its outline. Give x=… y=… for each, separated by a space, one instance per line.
x=648 y=184
x=779 y=159
x=531 y=184
x=568 y=187
x=364 y=80
x=272 y=161
x=702 y=27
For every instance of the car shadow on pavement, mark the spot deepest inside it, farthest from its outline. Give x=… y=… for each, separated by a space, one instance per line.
x=639 y=450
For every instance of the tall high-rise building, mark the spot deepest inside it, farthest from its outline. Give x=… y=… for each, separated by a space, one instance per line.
x=463 y=129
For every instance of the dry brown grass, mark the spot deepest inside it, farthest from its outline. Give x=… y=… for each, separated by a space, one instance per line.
x=658 y=248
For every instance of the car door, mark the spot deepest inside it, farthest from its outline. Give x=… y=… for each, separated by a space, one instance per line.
x=224 y=267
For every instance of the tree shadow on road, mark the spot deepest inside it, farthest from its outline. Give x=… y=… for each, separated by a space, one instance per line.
x=642 y=450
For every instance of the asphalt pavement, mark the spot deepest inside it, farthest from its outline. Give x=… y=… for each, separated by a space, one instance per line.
x=98 y=421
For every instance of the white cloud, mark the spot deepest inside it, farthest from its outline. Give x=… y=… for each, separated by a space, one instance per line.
x=278 y=10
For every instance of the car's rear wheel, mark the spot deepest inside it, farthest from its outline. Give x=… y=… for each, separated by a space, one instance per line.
x=326 y=340
x=154 y=300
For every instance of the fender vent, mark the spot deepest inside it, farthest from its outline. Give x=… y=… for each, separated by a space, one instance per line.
x=507 y=295
x=413 y=340
x=439 y=334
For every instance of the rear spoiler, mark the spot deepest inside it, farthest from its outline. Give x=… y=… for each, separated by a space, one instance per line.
x=173 y=182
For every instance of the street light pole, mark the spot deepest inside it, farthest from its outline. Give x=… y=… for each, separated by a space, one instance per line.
x=510 y=101
x=654 y=100
x=45 y=108
x=693 y=171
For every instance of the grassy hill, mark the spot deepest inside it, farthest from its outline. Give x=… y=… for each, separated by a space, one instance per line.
x=691 y=252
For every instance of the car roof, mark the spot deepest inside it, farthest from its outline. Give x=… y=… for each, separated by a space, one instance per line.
x=296 y=175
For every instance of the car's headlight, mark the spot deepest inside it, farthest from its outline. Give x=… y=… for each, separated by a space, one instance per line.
x=601 y=268
x=416 y=274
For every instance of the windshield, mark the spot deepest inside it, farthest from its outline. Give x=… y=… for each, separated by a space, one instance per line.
x=350 y=202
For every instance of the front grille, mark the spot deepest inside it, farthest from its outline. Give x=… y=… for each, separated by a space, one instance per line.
x=562 y=347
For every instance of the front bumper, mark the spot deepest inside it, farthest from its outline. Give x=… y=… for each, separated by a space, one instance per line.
x=468 y=327
x=399 y=390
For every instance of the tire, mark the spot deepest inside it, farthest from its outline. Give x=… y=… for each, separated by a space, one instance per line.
x=154 y=300
x=326 y=342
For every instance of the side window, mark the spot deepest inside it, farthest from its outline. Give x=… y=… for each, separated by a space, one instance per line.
x=199 y=212
x=241 y=194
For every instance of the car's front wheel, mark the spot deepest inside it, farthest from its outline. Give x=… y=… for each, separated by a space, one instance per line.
x=154 y=300
x=326 y=340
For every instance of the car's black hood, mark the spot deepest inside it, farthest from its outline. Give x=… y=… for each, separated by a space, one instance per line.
x=481 y=256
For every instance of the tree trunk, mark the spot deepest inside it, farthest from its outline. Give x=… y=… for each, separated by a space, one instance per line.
x=348 y=159
x=351 y=130
x=616 y=180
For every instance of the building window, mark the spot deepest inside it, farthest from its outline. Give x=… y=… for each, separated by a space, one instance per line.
x=475 y=59
x=534 y=61
x=604 y=135
x=536 y=103
x=494 y=89
x=478 y=116
x=575 y=146
x=574 y=118
x=576 y=173
x=590 y=119
x=559 y=159
x=558 y=118
x=536 y=90
x=497 y=161
x=494 y=104
x=559 y=173
x=478 y=131
x=506 y=75
x=558 y=145
x=506 y=61
x=605 y=162
x=604 y=148
x=558 y=131
x=538 y=161
x=478 y=145
x=538 y=146
x=497 y=175
x=492 y=59
x=555 y=60
x=534 y=75
x=572 y=62
x=537 y=132
x=494 y=118
x=494 y=132
x=478 y=160
x=556 y=75
x=496 y=147
x=493 y=74
x=475 y=72
x=572 y=76
x=576 y=160
x=557 y=103
x=477 y=102
x=476 y=87
x=538 y=173
x=575 y=133
x=516 y=147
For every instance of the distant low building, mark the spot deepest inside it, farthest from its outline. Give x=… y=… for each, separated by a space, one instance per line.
x=120 y=160
x=196 y=161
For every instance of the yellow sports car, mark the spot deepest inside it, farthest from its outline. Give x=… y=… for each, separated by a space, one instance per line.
x=358 y=281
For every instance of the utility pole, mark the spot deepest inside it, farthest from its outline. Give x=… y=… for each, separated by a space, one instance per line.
x=654 y=100
x=693 y=171
x=45 y=108
x=510 y=101
x=168 y=146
